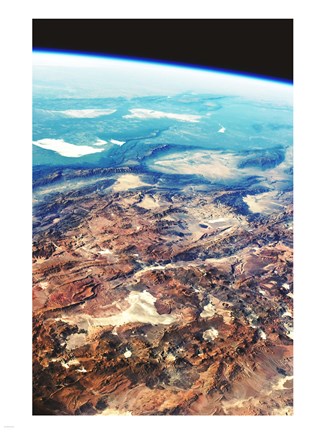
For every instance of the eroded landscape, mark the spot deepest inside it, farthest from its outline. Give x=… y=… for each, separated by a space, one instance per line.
x=153 y=296
x=162 y=240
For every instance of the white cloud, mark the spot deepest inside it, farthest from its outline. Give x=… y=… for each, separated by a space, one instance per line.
x=120 y=143
x=86 y=113
x=143 y=113
x=100 y=142
x=65 y=149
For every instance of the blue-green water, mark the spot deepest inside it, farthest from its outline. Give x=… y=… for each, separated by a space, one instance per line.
x=73 y=127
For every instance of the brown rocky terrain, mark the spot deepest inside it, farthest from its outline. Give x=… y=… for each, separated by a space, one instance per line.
x=148 y=301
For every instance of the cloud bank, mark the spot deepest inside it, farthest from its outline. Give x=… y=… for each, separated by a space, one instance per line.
x=66 y=149
x=142 y=113
x=86 y=113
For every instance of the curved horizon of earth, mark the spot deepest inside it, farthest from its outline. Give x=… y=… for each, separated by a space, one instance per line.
x=162 y=253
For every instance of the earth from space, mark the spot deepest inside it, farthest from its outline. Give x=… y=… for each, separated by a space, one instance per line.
x=162 y=239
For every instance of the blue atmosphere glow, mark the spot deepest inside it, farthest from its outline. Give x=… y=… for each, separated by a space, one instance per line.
x=164 y=63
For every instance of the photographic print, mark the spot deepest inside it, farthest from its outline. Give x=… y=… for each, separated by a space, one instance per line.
x=162 y=217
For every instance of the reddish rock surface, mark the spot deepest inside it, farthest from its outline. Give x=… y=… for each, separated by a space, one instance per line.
x=145 y=311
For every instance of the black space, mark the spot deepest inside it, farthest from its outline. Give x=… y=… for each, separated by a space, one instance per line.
x=253 y=46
